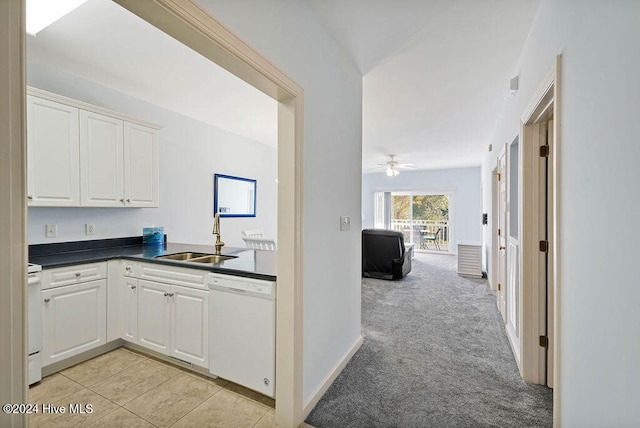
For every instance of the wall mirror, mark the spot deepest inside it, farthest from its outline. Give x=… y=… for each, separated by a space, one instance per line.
x=234 y=196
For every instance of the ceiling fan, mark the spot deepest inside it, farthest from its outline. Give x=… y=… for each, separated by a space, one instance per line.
x=393 y=166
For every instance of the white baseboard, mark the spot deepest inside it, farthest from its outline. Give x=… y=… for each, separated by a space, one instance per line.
x=330 y=378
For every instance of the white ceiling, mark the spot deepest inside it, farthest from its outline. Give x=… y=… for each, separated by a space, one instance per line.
x=104 y=43
x=435 y=71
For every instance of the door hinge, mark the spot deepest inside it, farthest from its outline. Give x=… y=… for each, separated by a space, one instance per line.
x=499 y=287
x=499 y=175
x=544 y=246
x=544 y=151
x=499 y=232
x=544 y=342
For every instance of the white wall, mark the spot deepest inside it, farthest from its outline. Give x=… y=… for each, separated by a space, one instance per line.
x=190 y=153
x=599 y=378
x=464 y=183
x=289 y=35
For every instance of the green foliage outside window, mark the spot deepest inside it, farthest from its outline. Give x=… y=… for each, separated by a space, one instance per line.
x=425 y=207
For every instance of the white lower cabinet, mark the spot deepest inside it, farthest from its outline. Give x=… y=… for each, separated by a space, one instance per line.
x=74 y=319
x=174 y=321
x=129 y=309
x=154 y=316
x=122 y=301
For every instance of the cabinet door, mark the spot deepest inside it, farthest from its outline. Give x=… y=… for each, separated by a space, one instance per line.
x=101 y=160
x=74 y=320
x=140 y=166
x=154 y=316
x=190 y=325
x=52 y=154
x=129 y=309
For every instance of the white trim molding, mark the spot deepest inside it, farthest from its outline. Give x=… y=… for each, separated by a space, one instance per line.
x=316 y=395
x=13 y=211
x=544 y=105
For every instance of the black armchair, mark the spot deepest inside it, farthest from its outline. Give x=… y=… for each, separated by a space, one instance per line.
x=384 y=255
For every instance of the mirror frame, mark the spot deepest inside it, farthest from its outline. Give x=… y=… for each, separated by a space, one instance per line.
x=216 y=183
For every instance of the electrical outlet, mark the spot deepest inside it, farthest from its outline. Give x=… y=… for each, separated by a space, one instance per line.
x=345 y=222
x=89 y=229
x=51 y=230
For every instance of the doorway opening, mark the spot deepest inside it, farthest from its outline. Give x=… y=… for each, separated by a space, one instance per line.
x=195 y=28
x=539 y=239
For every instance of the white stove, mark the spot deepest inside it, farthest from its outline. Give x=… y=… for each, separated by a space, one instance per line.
x=33 y=268
x=34 y=320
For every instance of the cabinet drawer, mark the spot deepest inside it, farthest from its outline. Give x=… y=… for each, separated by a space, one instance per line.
x=194 y=278
x=129 y=268
x=69 y=275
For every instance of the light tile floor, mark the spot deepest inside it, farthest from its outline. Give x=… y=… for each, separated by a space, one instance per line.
x=127 y=389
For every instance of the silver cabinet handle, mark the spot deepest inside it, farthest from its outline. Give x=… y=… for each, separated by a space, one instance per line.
x=133 y=287
x=122 y=200
x=78 y=274
x=128 y=200
x=168 y=294
x=47 y=300
x=127 y=268
x=30 y=197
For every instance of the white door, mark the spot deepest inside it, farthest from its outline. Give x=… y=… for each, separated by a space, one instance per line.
x=502 y=232
x=74 y=320
x=140 y=166
x=190 y=325
x=129 y=309
x=513 y=246
x=154 y=316
x=101 y=160
x=52 y=154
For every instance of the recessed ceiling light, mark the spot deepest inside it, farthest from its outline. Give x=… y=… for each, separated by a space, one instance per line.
x=42 y=13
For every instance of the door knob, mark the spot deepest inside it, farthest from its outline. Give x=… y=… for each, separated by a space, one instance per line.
x=502 y=247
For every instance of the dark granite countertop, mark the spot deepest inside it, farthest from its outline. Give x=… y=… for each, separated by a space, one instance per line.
x=248 y=262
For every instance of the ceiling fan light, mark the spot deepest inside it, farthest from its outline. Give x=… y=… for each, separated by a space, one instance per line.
x=390 y=172
x=395 y=172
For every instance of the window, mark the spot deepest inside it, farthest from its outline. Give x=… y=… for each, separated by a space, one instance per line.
x=423 y=217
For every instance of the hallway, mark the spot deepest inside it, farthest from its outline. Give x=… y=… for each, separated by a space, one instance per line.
x=435 y=353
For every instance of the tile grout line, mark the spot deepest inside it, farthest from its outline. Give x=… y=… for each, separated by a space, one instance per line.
x=261 y=418
x=195 y=376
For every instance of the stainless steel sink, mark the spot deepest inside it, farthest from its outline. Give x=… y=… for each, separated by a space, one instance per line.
x=212 y=258
x=196 y=257
x=182 y=256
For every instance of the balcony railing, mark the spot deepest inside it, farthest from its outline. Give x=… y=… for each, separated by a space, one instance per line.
x=423 y=233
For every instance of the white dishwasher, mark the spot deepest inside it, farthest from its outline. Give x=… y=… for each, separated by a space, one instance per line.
x=242 y=331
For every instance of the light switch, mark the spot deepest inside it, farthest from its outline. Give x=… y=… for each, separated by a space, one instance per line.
x=51 y=230
x=345 y=222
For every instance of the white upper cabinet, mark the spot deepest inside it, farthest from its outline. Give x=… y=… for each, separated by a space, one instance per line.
x=52 y=154
x=101 y=160
x=83 y=155
x=140 y=166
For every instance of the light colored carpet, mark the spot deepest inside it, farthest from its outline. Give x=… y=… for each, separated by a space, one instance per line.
x=435 y=354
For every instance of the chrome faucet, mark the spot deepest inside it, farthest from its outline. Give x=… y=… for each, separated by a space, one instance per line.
x=216 y=231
